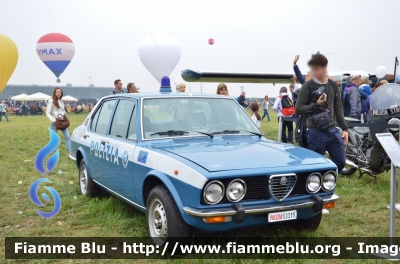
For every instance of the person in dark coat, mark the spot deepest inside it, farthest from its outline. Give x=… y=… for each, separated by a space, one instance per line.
x=242 y=100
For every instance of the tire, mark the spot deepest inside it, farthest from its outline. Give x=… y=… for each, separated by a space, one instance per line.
x=164 y=222
x=86 y=184
x=310 y=224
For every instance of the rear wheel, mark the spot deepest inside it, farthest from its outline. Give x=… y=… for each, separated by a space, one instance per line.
x=164 y=221
x=86 y=184
x=310 y=224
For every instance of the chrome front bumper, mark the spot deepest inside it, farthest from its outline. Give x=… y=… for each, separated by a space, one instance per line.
x=259 y=209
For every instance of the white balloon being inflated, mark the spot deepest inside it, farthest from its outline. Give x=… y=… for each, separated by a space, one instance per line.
x=380 y=72
x=160 y=54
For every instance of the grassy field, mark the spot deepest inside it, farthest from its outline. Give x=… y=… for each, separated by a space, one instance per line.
x=361 y=211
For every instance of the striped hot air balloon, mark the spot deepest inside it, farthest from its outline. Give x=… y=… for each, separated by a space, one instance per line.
x=56 y=50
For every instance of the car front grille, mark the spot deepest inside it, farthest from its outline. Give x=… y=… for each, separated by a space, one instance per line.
x=300 y=186
x=280 y=186
x=258 y=187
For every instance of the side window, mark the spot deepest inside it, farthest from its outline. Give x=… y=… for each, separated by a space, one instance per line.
x=122 y=117
x=104 y=116
x=94 y=120
x=132 y=126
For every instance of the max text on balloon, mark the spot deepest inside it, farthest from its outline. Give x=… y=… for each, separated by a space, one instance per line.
x=49 y=52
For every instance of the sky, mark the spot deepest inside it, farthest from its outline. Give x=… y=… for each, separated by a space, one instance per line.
x=250 y=36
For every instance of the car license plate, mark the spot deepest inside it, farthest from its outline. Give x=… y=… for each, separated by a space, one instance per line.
x=282 y=216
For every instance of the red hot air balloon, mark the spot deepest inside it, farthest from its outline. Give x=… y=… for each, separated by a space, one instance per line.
x=56 y=51
x=211 y=41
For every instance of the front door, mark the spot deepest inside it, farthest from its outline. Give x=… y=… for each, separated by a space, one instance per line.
x=95 y=140
x=120 y=147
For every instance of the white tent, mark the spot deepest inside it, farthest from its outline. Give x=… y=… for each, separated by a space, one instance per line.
x=70 y=98
x=20 y=97
x=39 y=96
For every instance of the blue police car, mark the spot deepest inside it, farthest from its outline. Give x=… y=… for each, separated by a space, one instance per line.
x=196 y=160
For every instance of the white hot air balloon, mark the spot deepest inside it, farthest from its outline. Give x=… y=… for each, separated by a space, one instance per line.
x=380 y=72
x=160 y=54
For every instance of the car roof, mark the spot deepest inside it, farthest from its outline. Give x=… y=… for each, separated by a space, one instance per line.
x=173 y=94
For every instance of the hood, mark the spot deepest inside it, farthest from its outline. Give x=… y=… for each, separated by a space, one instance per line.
x=237 y=153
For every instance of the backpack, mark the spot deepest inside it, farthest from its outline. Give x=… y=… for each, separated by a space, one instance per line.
x=295 y=94
x=287 y=105
x=346 y=103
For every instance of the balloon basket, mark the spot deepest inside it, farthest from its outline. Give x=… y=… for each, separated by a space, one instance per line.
x=58 y=80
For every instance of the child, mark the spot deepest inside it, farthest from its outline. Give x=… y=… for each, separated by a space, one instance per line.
x=256 y=116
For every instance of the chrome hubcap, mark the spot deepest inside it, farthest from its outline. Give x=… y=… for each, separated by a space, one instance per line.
x=157 y=219
x=83 y=179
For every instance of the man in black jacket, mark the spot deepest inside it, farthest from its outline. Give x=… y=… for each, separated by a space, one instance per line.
x=322 y=95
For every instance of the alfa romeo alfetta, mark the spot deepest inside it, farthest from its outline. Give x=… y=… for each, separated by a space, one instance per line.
x=198 y=161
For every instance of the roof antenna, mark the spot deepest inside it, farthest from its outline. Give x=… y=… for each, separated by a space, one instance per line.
x=165 y=64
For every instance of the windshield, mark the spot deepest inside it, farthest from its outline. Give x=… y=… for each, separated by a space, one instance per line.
x=194 y=116
x=385 y=97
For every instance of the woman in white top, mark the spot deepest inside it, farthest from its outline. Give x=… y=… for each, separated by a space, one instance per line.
x=55 y=107
x=265 y=106
x=256 y=116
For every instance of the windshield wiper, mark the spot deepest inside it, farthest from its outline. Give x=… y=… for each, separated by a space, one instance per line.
x=236 y=132
x=204 y=133
x=170 y=133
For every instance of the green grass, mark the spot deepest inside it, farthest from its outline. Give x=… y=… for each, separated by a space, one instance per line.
x=361 y=211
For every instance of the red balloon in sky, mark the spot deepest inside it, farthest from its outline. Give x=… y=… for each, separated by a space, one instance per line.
x=211 y=41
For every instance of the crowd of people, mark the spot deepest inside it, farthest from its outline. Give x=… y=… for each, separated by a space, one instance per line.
x=321 y=103
x=36 y=107
x=24 y=108
x=319 y=98
x=320 y=106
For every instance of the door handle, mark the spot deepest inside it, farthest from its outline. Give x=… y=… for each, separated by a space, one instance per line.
x=85 y=136
x=103 y=142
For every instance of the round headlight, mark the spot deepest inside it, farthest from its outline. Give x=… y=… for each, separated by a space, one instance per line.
x=236 y=190
x=213 y=192
x=314 y=183
x=329 y=181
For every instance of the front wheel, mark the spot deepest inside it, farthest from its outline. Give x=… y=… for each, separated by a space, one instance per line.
x=164 y=221
x=310 y=224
